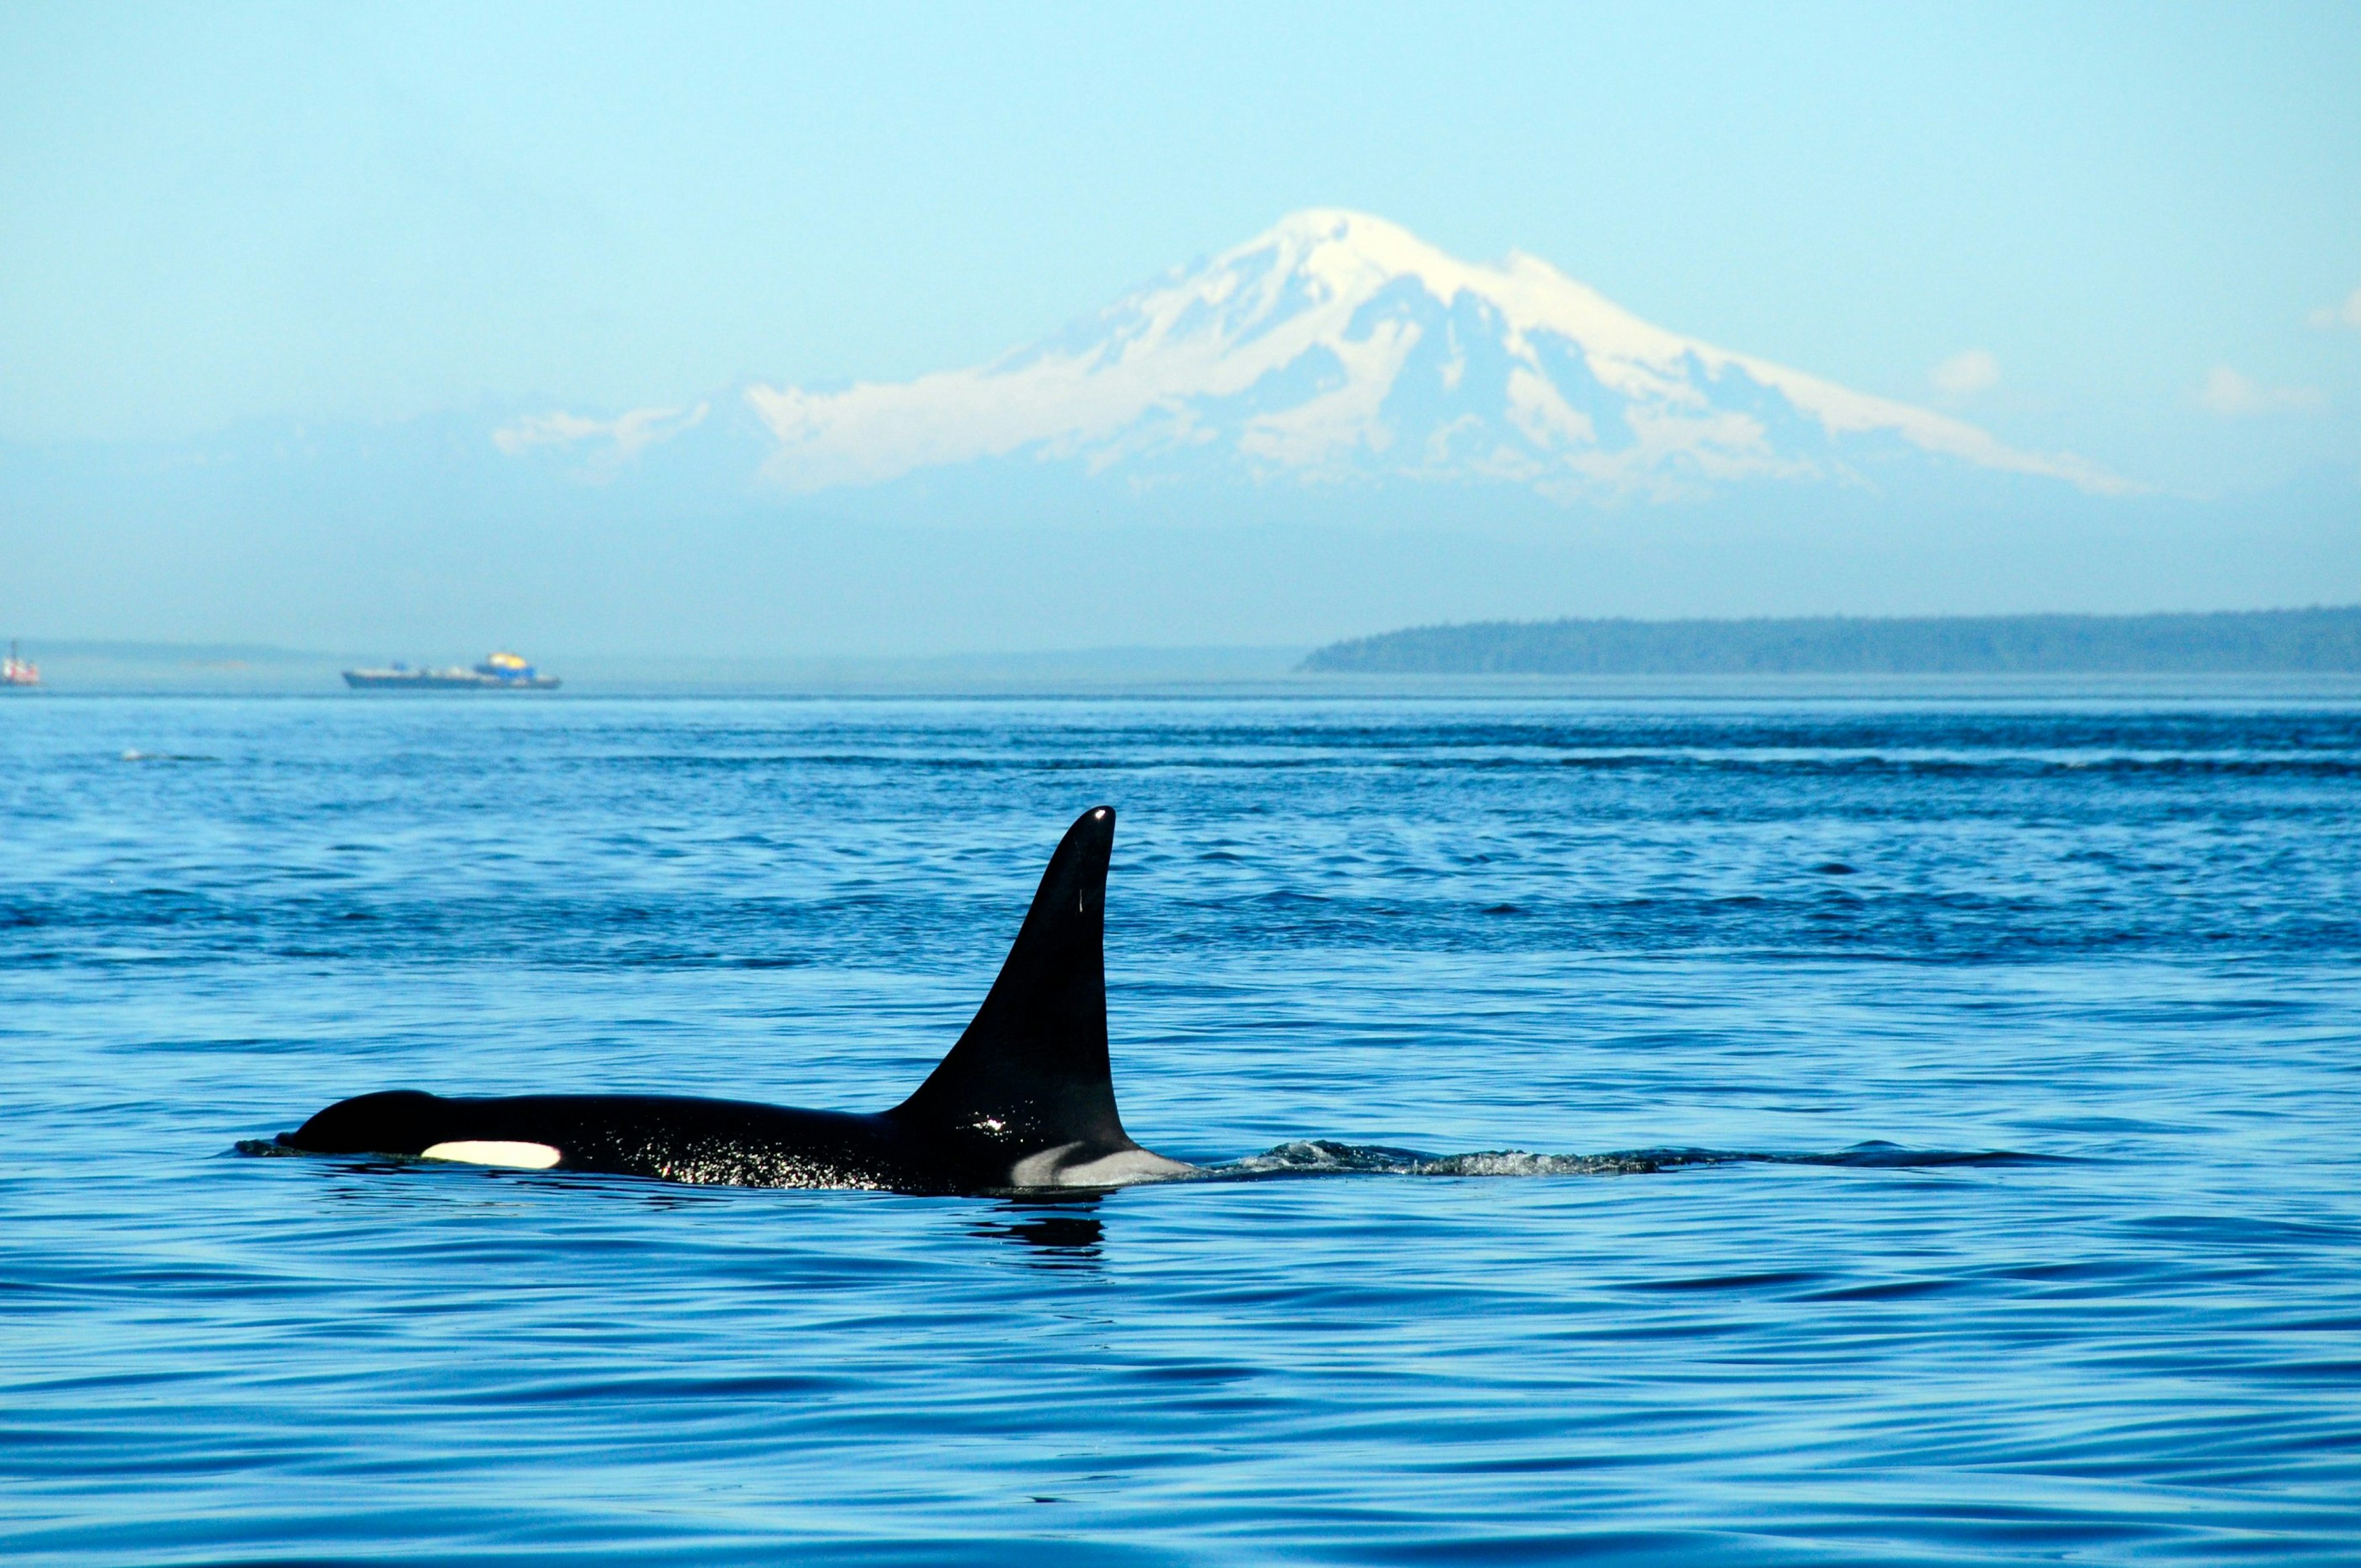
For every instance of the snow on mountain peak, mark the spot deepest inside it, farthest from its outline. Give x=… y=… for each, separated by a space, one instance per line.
x=1336 y=345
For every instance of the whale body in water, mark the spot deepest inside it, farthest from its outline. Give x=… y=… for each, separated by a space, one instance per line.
x=1026 y=1099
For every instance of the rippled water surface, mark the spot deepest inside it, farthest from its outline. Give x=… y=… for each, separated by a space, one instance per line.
x=1490 y=989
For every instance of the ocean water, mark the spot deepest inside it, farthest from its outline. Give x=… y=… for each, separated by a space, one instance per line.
x=2048 y=1006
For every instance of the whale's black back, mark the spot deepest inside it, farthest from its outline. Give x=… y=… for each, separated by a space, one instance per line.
x=1029 y=1077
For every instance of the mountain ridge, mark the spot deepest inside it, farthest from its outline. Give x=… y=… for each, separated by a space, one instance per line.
x=1337 y=350
x=1336 y=347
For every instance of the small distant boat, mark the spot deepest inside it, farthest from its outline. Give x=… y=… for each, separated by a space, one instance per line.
x=498 y=672
x=16 y=672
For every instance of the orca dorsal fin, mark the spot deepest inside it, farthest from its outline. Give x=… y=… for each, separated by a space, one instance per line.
x=1031 y=1070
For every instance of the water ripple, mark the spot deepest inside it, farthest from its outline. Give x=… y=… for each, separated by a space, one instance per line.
x=1978 y=1078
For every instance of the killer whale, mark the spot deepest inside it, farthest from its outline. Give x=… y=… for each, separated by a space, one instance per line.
x=1023 y=1099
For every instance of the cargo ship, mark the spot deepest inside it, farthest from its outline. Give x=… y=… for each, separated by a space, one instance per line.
x=16 y=672
x=498 y=672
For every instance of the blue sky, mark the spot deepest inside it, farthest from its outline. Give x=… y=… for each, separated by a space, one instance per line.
x=221 y=212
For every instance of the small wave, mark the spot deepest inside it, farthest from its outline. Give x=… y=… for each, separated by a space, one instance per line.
x=1320 y=1156
x=136 y=756
x=1326 y=1156
x=1879 y=1155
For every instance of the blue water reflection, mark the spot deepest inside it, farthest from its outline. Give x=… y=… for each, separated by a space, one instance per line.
x=2113 y=937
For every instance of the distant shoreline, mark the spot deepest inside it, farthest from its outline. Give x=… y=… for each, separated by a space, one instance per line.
x=2272 y=641
x=2285 y=652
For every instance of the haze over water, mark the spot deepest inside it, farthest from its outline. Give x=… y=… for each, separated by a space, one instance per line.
x=2111 y=934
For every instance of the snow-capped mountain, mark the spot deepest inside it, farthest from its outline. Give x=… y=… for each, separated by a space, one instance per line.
x=1338 y=346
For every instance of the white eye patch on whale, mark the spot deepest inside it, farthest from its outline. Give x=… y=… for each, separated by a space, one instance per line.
x=1024 y=1099
x=494 y=1151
